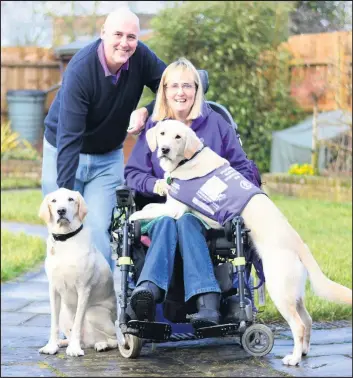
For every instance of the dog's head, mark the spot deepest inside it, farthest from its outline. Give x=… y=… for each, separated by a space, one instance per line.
x=175 y=142
x=63 y=210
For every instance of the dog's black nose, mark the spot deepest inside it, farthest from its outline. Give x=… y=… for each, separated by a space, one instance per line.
x=165 y=150
x=61 y=211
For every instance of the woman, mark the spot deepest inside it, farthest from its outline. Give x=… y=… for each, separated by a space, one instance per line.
x=180 y=97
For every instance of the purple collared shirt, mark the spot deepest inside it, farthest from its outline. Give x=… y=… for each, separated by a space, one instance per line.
x=101 y=56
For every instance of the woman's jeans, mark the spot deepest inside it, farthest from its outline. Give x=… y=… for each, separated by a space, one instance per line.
x=197 y=265
x=97 y=176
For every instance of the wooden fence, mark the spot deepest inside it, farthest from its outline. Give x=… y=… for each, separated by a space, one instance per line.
x=28 y=68
x=326 y=54
x=322 y=63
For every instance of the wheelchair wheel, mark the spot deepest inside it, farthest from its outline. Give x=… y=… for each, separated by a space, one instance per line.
x=228 y=231
x=257 y=340
x=132 y=347
x=137 y=232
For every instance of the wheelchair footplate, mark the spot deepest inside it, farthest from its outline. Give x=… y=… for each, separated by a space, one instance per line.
x=154 y=331
x=220 y=330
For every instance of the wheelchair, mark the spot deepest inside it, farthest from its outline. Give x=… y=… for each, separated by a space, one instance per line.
x=233 y=257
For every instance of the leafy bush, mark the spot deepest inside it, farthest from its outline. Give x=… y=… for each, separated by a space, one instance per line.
x=9 y=139
x=12 y=147
x=299 y=170
x=237 y=43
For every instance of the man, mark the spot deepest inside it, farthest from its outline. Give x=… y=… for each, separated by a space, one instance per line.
x=87 y=122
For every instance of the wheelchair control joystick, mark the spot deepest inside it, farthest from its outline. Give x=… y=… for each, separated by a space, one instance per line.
x=124 y=196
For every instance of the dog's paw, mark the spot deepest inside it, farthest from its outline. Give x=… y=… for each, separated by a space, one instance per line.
x=74 y=350
x=290 y=360
x=51 y=348
x=101 y=346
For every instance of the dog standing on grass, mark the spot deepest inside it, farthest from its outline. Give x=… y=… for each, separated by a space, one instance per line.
x=81 y=287
x=286 y=258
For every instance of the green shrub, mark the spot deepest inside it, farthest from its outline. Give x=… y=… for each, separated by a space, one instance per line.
x=237 y=43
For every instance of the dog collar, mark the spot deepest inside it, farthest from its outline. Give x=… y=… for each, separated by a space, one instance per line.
x=169 y=178
x=63 y=237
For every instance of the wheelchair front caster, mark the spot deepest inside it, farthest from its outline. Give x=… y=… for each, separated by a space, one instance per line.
x=257 y=340
x=132 y=347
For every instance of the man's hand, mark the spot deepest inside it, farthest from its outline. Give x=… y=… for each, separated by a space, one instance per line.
x=161 y=187
x=137 y=121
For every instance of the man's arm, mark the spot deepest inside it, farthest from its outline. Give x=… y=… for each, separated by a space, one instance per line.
x=153 y=74
x=153 y=68
x=71 y=127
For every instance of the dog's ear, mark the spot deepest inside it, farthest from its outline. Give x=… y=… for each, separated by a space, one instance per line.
x=192 y=143
x=82 y=207
x=44 y=211
x=151 y=137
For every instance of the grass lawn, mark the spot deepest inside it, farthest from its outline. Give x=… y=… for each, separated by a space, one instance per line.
x=19 y=253
x=21 y=206
x=327 y=229
x=19 y=183
x=325 y=226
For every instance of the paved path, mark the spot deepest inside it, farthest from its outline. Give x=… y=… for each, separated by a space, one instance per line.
x=25 y=321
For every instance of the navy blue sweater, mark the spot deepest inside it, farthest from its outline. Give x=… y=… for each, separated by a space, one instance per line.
x=90 y=114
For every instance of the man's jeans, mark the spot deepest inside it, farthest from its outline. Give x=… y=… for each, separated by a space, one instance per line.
x=197 y=265
x=97 y=176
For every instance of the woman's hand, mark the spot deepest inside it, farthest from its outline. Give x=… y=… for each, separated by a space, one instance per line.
x=161 y=187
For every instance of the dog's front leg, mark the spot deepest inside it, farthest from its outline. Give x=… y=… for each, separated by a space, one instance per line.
x=55 y=301
x=74 y=347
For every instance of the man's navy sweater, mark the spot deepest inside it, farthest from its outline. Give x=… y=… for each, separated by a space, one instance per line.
x=90 y=114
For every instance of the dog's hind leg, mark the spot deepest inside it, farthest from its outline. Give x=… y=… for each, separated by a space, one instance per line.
x=291 y=315
x=284 y=279
x=306 y=319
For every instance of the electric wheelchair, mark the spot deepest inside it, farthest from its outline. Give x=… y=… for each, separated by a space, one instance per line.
x=234 y=261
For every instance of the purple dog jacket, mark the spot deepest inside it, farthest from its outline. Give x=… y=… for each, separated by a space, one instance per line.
x=220 y=195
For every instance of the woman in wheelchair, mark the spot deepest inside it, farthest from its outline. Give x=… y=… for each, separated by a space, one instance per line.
x=181 y=96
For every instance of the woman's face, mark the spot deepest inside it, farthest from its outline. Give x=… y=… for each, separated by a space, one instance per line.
x=180 y=92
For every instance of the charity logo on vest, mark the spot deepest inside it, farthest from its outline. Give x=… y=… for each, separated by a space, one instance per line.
x=245 y=185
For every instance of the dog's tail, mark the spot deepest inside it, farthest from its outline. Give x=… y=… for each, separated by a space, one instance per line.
x=322 y=285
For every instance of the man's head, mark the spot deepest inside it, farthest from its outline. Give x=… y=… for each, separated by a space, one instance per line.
x=120 y=33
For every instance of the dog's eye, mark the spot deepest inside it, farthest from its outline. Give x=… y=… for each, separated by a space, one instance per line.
x=162 y=133
x=53 y=200
x=71 y=199
x=177 y=137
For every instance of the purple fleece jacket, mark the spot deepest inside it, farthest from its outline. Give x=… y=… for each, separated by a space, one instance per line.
x=142 y=169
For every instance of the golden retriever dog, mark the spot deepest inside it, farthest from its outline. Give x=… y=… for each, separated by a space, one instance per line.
x=286 y=258
x=81 y=288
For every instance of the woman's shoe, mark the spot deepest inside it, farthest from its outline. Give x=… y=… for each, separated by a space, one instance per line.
x=208 y=311
x=143 y=300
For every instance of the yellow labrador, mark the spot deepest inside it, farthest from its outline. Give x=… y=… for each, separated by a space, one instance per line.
x=286 y=258
x=81 y=287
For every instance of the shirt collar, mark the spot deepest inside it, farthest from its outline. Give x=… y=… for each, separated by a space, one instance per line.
x=103 y=62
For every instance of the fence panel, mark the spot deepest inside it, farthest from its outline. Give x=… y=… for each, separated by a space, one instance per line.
x=325 y=55
x=28 y=68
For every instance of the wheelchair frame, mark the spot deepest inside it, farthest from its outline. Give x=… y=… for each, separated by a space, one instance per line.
x=256 y=339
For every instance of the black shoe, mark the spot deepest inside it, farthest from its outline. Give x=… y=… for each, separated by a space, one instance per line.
x=208 y=311
x=143 y=300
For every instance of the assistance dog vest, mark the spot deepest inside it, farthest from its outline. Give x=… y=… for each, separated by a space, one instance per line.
x=220 y=195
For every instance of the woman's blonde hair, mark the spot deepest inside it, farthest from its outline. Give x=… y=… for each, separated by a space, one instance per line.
x=161 y=109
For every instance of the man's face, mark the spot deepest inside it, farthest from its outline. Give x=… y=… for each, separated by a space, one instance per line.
x=120 y=41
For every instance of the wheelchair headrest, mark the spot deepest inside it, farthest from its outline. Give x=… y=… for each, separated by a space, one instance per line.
x=204 y=80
